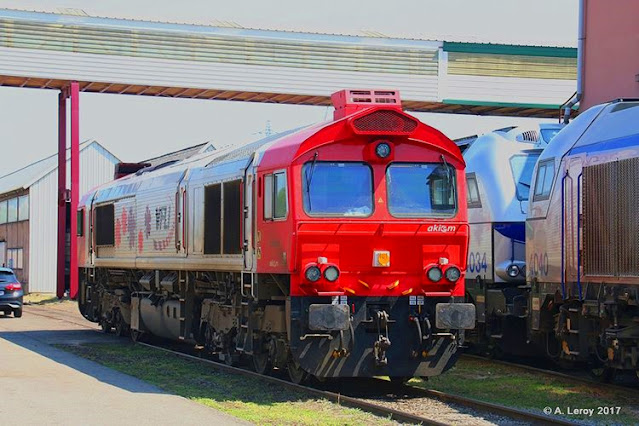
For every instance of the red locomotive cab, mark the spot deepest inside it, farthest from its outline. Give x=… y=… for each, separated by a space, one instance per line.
x=377 y=205
x=375 y=219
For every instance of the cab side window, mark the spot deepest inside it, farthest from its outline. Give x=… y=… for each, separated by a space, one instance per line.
x=275 y=196
x=105 y=225
x=80 y=222
x=473 y=191
x=545 y=177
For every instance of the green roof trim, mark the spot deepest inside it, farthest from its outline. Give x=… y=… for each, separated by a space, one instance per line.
x=500 y=104
x=508 y=49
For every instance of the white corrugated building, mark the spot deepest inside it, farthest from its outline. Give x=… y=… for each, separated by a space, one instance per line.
x=29 y=213
x=106 y=55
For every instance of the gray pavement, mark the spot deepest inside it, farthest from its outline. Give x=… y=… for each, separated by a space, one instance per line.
x=43 y=385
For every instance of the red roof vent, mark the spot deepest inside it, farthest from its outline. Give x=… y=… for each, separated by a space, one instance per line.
x=347 y=102
x=385 y=122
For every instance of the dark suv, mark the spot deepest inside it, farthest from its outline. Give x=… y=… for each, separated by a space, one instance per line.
x=10 y=293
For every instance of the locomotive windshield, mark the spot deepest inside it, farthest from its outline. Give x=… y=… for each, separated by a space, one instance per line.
x=522 y=167
x=421 y=189
x=337 y=189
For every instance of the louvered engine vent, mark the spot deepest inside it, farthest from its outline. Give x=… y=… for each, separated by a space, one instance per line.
x=528 y=136
x=384 y=121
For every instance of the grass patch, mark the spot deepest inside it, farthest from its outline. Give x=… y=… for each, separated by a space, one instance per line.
x=517 y=388
x=41 y=298
x=248 y=399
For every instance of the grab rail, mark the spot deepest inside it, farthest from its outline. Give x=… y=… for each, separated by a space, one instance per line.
x=579 y=179
x=563 y=225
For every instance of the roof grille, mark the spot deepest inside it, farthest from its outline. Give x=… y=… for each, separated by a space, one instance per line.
x=384 y=121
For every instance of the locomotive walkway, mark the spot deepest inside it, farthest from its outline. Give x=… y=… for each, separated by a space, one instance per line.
x=44 y=385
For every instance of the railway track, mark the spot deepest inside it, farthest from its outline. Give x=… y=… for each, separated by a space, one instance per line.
x=553 y=373
x=349 y=397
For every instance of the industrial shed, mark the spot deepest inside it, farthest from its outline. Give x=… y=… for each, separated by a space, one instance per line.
x=29 y=213
x=107 y=55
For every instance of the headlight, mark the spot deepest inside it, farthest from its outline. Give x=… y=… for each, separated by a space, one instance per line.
x=452 y=274
x=434 y=274
x=382 y=150
x=331 y=273
x=313 y=273
x=512 y=271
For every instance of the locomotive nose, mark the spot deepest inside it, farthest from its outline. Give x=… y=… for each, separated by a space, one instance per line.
x=340 y=264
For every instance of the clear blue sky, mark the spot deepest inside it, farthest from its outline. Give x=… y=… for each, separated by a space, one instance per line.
x=134 y=128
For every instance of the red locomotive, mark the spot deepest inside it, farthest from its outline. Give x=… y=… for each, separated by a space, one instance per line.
x=335 y=250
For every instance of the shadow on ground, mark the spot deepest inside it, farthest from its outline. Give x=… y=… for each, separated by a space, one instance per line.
x=39 y=342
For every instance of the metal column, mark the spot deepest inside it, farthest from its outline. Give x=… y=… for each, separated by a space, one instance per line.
x=62 y=189
x=73 y=91
x=75 y=190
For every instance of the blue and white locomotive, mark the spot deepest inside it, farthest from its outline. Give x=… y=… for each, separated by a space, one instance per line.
x=499 y=168
x=582 y=241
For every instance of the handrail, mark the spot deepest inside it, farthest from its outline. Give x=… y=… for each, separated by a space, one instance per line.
x=579 y=179
x=563 y=225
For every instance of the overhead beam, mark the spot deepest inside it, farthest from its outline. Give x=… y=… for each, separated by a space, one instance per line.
x=447 y=106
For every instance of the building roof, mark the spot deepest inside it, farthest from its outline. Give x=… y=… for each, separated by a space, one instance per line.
x=25 y=177
x=180 y=155
x=233 y=28
x=106 y=55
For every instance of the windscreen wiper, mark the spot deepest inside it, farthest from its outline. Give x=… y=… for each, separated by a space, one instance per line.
x=448 y=178
x=309 y=178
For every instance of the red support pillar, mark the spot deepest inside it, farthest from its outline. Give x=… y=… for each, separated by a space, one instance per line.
x=75 y=182
x=62 y=190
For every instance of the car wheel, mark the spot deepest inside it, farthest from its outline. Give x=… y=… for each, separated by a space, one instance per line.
x=17 y=313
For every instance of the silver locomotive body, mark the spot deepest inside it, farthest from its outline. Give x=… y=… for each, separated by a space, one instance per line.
x=582 y=241
x=499 y=170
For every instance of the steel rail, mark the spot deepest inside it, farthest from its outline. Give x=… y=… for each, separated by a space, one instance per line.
x=331 y=396
x=358 y=403
x=476 y=404
x=381 y=410
x=557 y=374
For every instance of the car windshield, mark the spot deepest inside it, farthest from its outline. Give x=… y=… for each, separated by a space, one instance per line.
x=522 y=167
x=7 y=277
x=337 y=189
x=421 y=189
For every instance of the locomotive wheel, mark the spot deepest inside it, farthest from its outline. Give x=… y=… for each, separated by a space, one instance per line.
x=261 y=363
x=121 y=327
x=105 y=325
x=231 y=358
x=208 y=338
x=261 y=358
x=295 y=372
